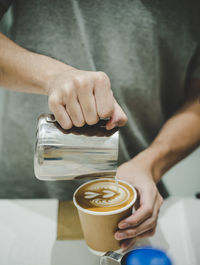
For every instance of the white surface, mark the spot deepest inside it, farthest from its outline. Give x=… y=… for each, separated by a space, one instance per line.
x=28 y=234
x=184 y=178
x=27 y=231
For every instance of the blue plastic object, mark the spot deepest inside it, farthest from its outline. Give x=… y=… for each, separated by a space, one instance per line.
x=146 y=256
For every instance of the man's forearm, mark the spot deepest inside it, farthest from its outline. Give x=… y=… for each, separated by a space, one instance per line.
x=76 y=97
x=178 y=137
x=25 y=71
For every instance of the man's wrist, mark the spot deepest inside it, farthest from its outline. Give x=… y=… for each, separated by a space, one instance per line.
x=157 y=159
x=50 y=69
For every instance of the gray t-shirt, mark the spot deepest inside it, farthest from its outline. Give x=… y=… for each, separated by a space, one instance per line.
x=147 y=48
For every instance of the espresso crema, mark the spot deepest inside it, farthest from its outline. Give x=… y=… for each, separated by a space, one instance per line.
x=104 y=195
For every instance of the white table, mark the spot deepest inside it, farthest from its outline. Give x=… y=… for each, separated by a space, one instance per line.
x=28 y=234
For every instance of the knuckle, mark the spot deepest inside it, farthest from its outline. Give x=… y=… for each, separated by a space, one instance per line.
x=68 y=93
x=81 y=83
x=102 y=77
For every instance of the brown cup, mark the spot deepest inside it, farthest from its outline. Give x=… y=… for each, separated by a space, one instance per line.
x=99 y=227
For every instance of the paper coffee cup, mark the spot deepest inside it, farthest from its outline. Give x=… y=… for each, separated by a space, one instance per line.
x=101 y=206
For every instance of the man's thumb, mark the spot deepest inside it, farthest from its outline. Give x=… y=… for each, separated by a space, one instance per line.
x=118 y=118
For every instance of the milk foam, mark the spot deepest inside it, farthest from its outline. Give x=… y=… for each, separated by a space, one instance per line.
x=104 y=195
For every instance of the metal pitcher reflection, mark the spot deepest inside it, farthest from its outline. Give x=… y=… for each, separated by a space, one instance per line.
x=87 y=152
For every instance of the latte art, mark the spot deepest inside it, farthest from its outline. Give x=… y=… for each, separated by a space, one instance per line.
x=92 y=195
x=104 y=195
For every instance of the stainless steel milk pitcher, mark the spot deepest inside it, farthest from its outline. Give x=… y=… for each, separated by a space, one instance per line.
x=87 y=152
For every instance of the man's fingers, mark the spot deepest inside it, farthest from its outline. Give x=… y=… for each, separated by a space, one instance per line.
x=144 y=212
x=87 y=97
x=75 y=112
x=103 y=96
x=60 y=113
x=147 y=201
x=88 y=105
x=148 y=226
x=118 y=118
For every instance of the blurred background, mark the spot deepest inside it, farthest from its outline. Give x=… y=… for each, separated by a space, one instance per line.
x=184 y=178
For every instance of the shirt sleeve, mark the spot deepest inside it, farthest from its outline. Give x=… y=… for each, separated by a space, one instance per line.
x=4 y=5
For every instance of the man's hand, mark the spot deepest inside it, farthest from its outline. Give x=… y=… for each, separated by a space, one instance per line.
x=177 y=138
x=142 y=222
x=78 y=97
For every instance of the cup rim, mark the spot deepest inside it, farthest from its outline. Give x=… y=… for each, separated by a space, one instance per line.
x=109 y=212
